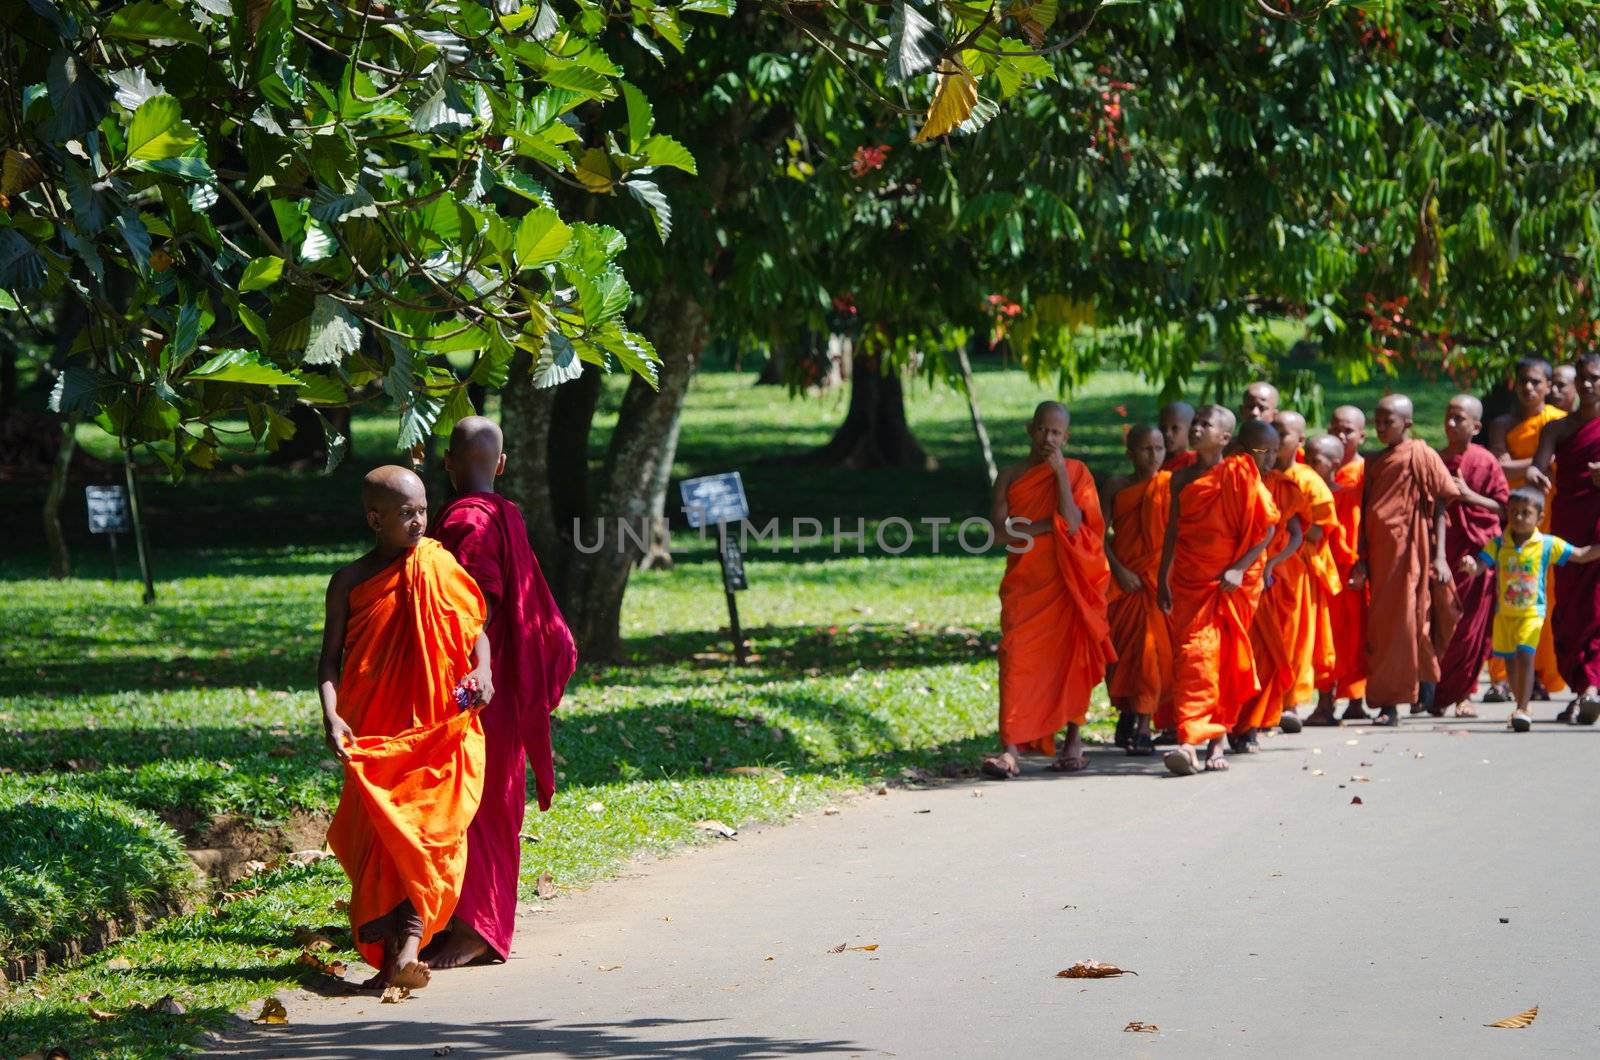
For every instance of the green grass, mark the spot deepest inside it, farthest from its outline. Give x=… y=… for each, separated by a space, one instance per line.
x=146 y=723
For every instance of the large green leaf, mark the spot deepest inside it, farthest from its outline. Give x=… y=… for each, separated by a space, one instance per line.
x=261 y=273
x=149 y=20
x=159 y=131
x=654 y=200
x=241 y=366
x=641 y=117
x=915 y=43
x=662 y=150
x=542 y=237
x=77 y=95
x=335 y=332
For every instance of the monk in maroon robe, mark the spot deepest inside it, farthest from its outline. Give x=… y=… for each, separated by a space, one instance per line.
x=1574 y=444
x=1468 y=525
x=533 y=657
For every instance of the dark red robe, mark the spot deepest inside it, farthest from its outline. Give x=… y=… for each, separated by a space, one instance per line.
x=1575 y=518
x=1467 y=528
x=533 y=656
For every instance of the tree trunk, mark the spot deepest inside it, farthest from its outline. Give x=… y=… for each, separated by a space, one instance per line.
x=525 y=418
x=571 y=416
x=772 y=370
x=875 y=432
x=60 y=558
x=658 y=554
x=982 y=432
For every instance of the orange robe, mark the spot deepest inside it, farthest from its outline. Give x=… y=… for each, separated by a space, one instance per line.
x=1223 y=514
x=415 y=774
x=1314 y=637
x=1142 y=676
x=1404 y=482
x=1054 y=640
x=1178 y=461
x=1522 y=441
x=1347 y=612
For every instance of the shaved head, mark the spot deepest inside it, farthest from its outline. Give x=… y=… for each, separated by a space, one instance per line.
x=1260 y=401
x=1292 y=421
x=1051 y=408
x=391 y=485
x=476 y=435
x=1139 y=432
x=1397 y=405
x=1177 y=410
x=476 y=455
x=1257 y=434
x=1468 y=404
x=1352 y=414
x=1327 y=447
x=1220 y=416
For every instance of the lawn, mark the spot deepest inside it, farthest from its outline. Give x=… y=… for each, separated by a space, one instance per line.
x=130 y=733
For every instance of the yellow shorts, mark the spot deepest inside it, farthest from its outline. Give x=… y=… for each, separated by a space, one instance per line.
x=1516 y=633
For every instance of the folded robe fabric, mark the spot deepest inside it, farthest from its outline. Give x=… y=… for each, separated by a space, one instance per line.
x=415 y=774
x=1222 y=515
x=1348 y=609
x=1467 y=529
x=1274 y=635
x=1577 y=521
x=1312 y=653
x=1054 y=639
x=1141 y=635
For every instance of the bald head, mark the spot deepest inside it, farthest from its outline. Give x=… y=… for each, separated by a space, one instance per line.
x=1260 y=402
x=397 y=508
x=1350 y=414
x=1048 y=429
x=476 y=455
x=391 y=486
x=1219 y=416
x=1291 y=421
x=1256 y=434
x=1050 y=409
x=1349 y=425
x=1175 y=419
x=1468 y=404
x=1291 y=436
x=1325 y=446
x=1397 y=405
x=1393 y=419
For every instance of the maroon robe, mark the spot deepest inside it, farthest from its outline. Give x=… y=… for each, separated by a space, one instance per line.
x=1467 y=528
x=533 y=655
x=1574 y=517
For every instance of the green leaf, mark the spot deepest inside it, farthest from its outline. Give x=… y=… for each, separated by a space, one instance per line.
x=915 y=44
x=641 y=118
x=77 y=95
x=241 y=366
x=558 y=362
x=327 y=206
x=654 y=200
x=136 y=236
x=186 y=335
x=149 y=20
x=134 y=86
x=187 y=167
x=541 y=238
x=159 y=131
x=662 y=150
x=457 y=407
x=21 y=265
x=335 y=332
x=417 y=418
x=261 y=273
x=579 y=79
x=443 y=111
x=337 y=445
x=8 y=302
x=318 y=388
x=81 y=390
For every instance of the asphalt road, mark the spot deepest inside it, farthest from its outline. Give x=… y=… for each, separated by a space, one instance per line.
x=1263 y=910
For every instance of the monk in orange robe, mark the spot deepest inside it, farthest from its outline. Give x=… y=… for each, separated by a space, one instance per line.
x=1175 y=419
x=1055 y=643
x=1210 y=580
x=1402 y=550
x=1323 y=575
x=1347 y=613
x=1260 y=402
x=1514 y=438
x=1140 y=684
x=405 y=666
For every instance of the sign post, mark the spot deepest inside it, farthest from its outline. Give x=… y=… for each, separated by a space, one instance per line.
x=108 y=514
x=719 y=500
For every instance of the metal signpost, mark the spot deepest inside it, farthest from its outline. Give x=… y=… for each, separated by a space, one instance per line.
x=720 y=500
x=108 y=514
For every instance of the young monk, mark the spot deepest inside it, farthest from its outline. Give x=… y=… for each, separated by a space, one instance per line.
x=533 y=658
x=1260 y=402
x=1402 y=548
x=1469 y=524
x=1325 y=575
x=1520 y=560
x=1311 y=646
x=1140 y=684
x=1564 y=389
x=1210 y=580
x=1513 y=438
x=1175 y=420
x=1054 y=639
x=1348 y=611
x=1573 y=444
x=402 y=652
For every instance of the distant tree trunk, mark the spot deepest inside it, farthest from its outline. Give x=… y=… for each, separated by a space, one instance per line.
x=60 y=559
x=875 y=432
x=772 y=369
x=571 y=416
x=978 y=428
x=658 y=554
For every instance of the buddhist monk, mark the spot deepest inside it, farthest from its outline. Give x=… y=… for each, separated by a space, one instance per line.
x=1348 y=612
x=1309 y=633
x=1273 y=631
x=1260 y=402
x=533 y=658
x=1573 y=444
x=1175 y=419
x=1470 y=523
x=1513 y=438
x=1326 y=575
x=404 y=667
x=1055 y=643
x=1402 y=548
x=1564 y=388
x=1140 y=684
x=1222 y=521
x=1520 y=560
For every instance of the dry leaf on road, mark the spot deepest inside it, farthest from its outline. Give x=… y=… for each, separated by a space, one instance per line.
x=310 y=939
x=717 y=827
x=839 y=948
x=1093 y=970
x=870 y=947
x=608 y=967
x=272 y=1012
x=393 y=995
x=1356 y=801
x=1141 y=1027
x=119 y=964
x=1517 y=1022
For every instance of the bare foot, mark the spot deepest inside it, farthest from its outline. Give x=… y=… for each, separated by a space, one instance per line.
x=463 y=947
x=412 y=976
x=1182 y=761
x=1002 y=766
x=1466 y=710
x=1070 y=759
x=1320 y=718
x=1216 y=760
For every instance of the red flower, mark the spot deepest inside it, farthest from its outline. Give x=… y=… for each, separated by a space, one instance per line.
x=1122 y=410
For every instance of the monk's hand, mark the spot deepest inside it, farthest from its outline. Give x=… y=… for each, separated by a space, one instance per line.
x=1231 y=579
x=483 y=683
x=1130 y=582
x=338 y=732
x=1057 y=462
x=1540 y=481
x=1441 y=570
x=1164 y=598
x=1358 y=575
x=1469 y=566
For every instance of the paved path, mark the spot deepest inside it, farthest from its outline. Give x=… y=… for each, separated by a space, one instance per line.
x=1264 y=913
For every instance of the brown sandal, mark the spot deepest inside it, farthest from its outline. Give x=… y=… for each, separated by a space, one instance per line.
x=1002 y=766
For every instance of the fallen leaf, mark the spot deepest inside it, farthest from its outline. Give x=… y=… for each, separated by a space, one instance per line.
x=1517 y=1022
x=1505 y=920
x=282 y=750
x=839 y=948
x=596 y=807
x=272 y=1011
x=341 y=905
x=1364 y=765
x=1356 y=801
x=718 y=827
x=770 y=958
x=528 y=837
x=393 y=995
x=119 y=964
x=753 y=771
x=546 y=887
x=1318 y=773
x=921 y=811
x=870 y=947
x=608 y=967
x=1141 y=1027
x=884 y=790
x=830 y=811
x=101 y=1015
x=311 y=940
x=309 y=857
x=1093 y=970
x=311 y=960
x=1359 y=779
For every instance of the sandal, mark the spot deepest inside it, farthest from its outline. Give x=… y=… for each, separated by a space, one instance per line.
x=1290 y=723
x=1142 y=746
x=1588 y=706
x=1002 y=766
x=1182 y=762
x=1466 y=710
x=1062 y=764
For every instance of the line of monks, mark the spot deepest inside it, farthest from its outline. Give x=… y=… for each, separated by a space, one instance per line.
x=1249 y=570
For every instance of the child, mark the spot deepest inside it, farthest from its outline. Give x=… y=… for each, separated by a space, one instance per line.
x=403 y=651
x=1210 y=580
x=1054 y=640
x=1140 y=684
x=1521 y=557
x=1175 y=420
x=533 y=658
x=1348 y=614
x=1328 y=561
